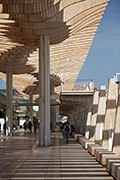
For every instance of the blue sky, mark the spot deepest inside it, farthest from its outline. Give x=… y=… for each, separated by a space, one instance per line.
x=104 y=57
x=2 y=84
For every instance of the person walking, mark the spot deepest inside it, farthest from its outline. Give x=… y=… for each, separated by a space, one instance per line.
x=25 y=126
x=4 y=127
x=67 y=130
x=35 y=124
x=30 y=125
x=0 y=127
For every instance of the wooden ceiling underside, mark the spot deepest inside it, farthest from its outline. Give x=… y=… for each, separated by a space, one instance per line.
x=70 y=24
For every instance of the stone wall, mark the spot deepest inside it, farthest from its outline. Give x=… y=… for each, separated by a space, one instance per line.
x=79 y=119
x=76 y=107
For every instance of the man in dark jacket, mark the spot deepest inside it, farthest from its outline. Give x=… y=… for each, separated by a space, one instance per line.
x=67 y=130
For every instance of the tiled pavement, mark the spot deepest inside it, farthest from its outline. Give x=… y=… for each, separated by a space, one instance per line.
x=22 y=159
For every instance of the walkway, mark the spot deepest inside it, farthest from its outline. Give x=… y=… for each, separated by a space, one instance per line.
x=21 y=159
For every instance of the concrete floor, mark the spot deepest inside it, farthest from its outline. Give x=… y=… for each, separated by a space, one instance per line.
x=22 y=159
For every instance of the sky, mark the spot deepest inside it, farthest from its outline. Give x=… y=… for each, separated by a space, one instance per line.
x=2 y=84
x=103 y=60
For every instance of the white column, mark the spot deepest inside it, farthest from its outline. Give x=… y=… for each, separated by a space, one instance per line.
x=47 y=91
x=9 y=97
x=116 y=139
x=94 y=115
x=61 y=87
x=52 y=91
x=110 y=116
x=52 y=108
x=53 y=116
x=31 y=108
x=41 y=91
x=44 y=86
x=88 y=123
x=87 y=133
x=100 y=115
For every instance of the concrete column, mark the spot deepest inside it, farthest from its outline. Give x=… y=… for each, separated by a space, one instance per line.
x=41 y=91
x=31 y=107
x=94 y=115
x=89 y=115
x=61 y=87
x=87 y=133
x=109 y=116
x=100 y=115
x=53 y=116
x=52 y=91
x=9 y=98
x=53 y=113
x=44 y=84
x=116 y=139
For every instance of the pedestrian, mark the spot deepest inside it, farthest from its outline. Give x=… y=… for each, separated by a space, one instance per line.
x=61 y=126
x=4 y=127
x=30 y=125
x=51 y=126
x=67 y=130
x=72 y=129
x=25 y=126
x=35 y=124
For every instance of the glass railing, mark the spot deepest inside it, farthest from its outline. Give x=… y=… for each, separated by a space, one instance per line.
x=78 y=85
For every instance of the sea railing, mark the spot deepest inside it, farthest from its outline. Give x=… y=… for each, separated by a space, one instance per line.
x=78 y=85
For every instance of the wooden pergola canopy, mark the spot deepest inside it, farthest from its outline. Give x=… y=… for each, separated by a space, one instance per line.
x=70 y=24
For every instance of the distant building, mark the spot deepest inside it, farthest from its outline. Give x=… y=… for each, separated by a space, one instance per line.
x=19 y=112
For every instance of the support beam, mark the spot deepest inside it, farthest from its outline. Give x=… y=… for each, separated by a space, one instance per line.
x=88 y=127
x=94 y=115
x=31 y=108
x=44 y=91
x=53 y=109
x=9 y=97
x=110 y=116
x=53 y=115
x=100 y=115
x=25 y=104
x=116 y=139
x=89 y=116
x=41 y=91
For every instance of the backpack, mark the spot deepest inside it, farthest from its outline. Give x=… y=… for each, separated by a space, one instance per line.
x=67 y=128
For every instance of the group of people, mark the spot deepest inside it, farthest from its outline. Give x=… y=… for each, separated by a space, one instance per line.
x=29 y=125
x=65 y=128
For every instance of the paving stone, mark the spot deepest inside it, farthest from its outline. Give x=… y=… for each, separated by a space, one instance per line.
x=59 y=161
